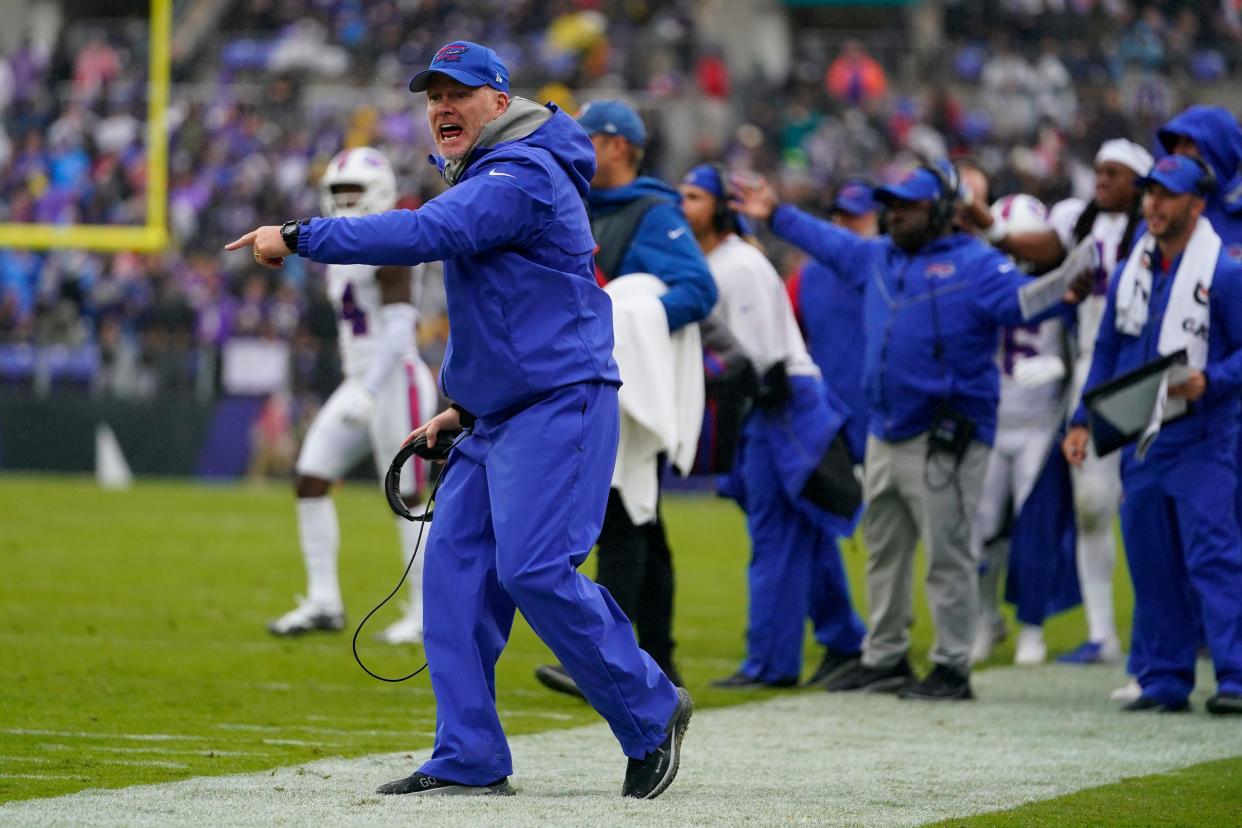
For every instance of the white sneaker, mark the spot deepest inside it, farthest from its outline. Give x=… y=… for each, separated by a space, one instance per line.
x=1030 y=649
x=1128 y=693
x=308 y=617
x=408 y=630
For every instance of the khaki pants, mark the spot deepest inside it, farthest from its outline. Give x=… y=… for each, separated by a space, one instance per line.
x=909 y=496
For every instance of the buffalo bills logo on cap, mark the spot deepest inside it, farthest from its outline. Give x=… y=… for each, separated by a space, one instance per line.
x=452 y=54
x=941 y=270
x=1167 y=163
x=854 y=191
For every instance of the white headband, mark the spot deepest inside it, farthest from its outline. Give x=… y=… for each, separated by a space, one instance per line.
x=1127 y=153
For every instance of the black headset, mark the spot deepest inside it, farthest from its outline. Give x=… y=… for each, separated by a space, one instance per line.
x=944 y=207
x=1207 y=177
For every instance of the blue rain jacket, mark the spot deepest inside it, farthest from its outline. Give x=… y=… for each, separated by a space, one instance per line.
x=525 y=313
x=664 y=247
x=975 y=292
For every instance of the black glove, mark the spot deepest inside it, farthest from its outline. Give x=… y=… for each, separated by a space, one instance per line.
x=775 y=391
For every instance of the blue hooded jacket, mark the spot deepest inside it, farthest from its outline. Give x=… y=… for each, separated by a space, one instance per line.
x=1219 y=138
x=664 y=247
x=525 y=313
x=955 y=289
x=831 y=310
x=1212 y=425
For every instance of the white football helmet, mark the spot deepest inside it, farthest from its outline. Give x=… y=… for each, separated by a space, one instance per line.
x=351 y=169
x=1022 y=213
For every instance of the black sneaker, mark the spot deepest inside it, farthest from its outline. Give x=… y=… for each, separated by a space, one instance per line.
x=863 y=679
x=1225 y=704
x=942 y=684
x=554 y=677
x=741 y=681
x=647 y=778
x=835 y=663
x=1146 y=704
x=421 y=783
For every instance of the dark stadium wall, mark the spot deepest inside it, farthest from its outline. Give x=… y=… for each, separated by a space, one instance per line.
x=159 y=437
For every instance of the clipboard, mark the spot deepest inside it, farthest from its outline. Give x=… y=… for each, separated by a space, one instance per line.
x=1121 y=410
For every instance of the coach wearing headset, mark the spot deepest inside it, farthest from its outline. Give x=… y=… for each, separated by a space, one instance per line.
x=934 y=301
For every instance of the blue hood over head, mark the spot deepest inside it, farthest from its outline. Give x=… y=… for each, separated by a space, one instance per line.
x=1219 y=138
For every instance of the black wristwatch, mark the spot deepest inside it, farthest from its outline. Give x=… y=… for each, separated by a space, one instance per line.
x=289 y=233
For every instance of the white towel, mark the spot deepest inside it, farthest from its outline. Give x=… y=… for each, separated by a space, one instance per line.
x=1187 y=316
x=661 y=393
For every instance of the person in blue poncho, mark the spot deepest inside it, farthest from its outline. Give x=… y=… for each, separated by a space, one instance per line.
x=529 y=368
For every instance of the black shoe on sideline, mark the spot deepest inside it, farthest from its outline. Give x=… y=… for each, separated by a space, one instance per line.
x=863 y=679
x=649 y=777
x=741 y=681
x=421 y=783
x=1225 y=704
x=1146 y=704
x=835 y=663
x=554 y=677
x=942 y=684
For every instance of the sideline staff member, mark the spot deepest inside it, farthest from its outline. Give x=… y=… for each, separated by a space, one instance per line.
x=530 y=355
x=934 y=303
x=1178 y=289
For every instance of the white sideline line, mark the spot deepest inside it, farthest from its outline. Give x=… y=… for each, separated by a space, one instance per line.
x=140 y=737
x=805 y=757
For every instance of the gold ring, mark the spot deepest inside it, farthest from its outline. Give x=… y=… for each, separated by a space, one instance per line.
x=257 y=257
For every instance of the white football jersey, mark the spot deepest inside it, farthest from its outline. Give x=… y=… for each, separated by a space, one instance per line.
x=1026 y=406
x=355 y=293
x=754 y=306
x=1108 y=231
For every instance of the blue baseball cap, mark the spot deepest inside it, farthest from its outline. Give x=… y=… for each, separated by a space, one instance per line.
x=854 y=197
x=613 y=118
x=1177 y=174
x=707 y=177
x=920 y=184
x=467 y=63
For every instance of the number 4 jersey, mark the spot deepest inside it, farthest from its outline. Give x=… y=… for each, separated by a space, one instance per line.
x=355 y=293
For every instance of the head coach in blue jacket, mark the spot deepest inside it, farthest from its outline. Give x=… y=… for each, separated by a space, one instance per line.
x=530 y=356
x=934 y=301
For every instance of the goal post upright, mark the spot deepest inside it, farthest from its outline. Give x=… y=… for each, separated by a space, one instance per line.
x=153 y=235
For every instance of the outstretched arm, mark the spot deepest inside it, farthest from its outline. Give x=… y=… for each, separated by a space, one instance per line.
x=483 y=212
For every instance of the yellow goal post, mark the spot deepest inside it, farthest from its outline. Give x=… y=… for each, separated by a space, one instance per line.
x=148 y=237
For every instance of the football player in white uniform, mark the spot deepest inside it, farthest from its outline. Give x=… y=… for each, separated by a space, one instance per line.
x=1032 y=404
x=387 y=392
x=1112 y=218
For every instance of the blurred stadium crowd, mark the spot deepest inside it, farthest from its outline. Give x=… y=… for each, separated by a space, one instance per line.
x=278 y=86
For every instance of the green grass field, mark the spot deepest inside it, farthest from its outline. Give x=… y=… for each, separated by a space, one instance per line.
x=133 y=639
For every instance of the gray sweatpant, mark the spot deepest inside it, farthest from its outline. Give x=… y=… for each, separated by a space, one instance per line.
x=909 y=496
